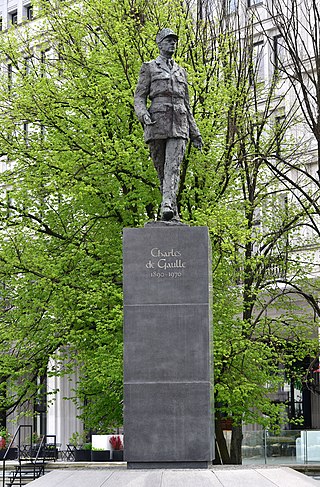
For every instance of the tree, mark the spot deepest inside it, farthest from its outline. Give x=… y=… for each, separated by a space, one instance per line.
x=297 y=61
x=257 y=261
x=78 y=172
x=298 y=58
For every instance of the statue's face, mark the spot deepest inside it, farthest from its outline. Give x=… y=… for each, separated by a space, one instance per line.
x=168 y=46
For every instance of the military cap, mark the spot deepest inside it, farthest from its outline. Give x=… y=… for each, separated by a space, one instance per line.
x=162 y=34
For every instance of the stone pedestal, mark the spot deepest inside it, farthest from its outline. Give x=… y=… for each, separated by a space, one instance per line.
x=167 y=341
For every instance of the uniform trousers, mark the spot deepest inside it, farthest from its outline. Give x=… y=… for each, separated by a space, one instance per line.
x=167 y=156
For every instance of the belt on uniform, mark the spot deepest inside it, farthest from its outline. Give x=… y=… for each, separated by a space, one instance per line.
x=168 y=99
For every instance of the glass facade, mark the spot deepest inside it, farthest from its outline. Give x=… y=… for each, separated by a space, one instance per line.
x=283 y=447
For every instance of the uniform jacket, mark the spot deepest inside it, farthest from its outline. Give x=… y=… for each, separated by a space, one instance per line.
x=167 y=89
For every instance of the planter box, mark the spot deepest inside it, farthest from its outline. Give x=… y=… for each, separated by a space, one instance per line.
x=100 y=456
x=12 y=454
x=117 y=455
x=50 y=453
x=82 y=455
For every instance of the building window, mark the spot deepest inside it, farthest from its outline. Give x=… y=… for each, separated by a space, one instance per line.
x=251 y=3
x=10 y=72
x=29 y=12
x=40 y=407
x=279 y=133
x=13 y=17
x=231 y=6
x=9 y=204
x=43 y=67
x=47 y=61
x=278 y=51
x=26 y=133
x=43 y=132
x=258 y=61
x=27 y=65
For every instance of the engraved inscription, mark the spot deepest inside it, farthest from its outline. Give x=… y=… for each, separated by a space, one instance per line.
x=166 y=263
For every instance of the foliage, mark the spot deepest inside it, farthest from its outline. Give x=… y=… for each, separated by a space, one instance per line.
x=79 y=440
x=80 y=174
x=86 y=446
x=4 y=438
x=77 y=172
x=116 y=443
x=263 y=310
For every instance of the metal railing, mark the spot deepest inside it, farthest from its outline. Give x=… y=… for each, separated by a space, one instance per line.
x=13 y=439
x=35 y=455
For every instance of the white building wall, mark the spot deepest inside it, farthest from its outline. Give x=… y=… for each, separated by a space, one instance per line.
x=17 y=418
x=62 y=412
x=7 y=7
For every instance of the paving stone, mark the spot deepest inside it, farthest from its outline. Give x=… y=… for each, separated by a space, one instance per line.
x=217 y=477
x=53 y=479
x=73 y=478
x=128 y=478
x=286 y=477
x=242 y=478
x=193 y=478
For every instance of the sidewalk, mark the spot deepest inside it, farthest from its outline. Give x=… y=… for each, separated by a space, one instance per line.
x=225 y=476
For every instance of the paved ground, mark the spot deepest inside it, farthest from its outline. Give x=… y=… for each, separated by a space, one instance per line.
x=216 y=477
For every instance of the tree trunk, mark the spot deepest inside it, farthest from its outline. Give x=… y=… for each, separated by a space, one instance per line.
x=236 y=443
x=222 y=453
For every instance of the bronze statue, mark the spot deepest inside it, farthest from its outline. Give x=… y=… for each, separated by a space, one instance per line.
x=168 y=122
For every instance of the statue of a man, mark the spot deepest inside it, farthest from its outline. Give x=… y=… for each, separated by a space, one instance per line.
x=168 y=122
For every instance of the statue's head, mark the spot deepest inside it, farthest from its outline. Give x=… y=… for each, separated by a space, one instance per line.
x=162 y=34
x=167 y=41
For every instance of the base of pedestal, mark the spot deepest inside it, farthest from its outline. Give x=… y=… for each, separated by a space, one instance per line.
x=168 y=465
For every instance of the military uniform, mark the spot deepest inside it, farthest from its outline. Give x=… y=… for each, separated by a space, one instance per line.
x=165 y=84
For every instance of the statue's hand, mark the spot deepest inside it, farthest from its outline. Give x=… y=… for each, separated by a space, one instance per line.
x=197 y=142
x=147 y=120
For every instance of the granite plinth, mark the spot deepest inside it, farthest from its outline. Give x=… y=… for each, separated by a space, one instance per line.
x=166 y=265
x=167 y=347
x=167 y=465
x=175 y=422
x=175 y=353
